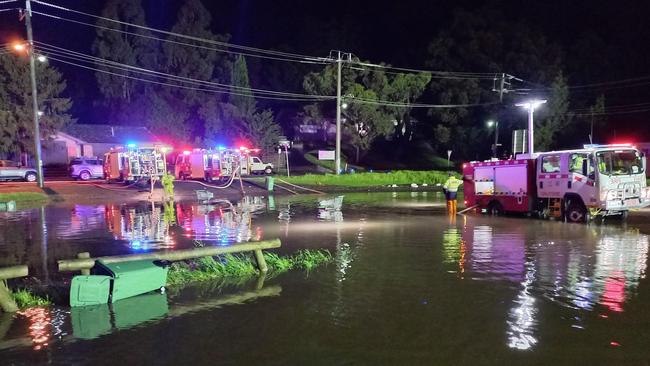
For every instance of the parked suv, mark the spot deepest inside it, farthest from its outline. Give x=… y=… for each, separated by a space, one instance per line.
x=85 y=168
x=11 y=170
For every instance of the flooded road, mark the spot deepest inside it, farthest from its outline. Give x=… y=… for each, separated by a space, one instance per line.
x=408 y=286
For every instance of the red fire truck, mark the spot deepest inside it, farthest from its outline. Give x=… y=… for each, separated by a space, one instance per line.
x=132 y=163
x=574 y=185
x=218 y=164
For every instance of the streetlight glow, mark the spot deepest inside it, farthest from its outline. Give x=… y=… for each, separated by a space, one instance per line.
x=531 y=105
x=20 y=47
x=495 y=147
x=41 y=58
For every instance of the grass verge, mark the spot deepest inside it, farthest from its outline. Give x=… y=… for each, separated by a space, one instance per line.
x=399 y=177
x=242 y=267
x=26 y=299
x=23 y=197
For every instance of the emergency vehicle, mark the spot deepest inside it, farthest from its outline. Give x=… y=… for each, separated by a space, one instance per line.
x=132 y=163
x=252 y=164
x=199 y=164
x=219 y=164
x=574 y=185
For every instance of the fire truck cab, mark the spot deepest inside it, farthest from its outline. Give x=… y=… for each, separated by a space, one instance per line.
x=574 y=185
x=132 y=163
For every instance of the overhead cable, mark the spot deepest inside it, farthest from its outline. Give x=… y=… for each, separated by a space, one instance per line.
x=185 y=36
x=222 y=50
x=62 y=52
x=184 y=86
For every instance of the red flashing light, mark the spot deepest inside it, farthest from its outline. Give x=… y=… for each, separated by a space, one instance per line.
x=186 y=152
x=242 y=148
x=464 y=165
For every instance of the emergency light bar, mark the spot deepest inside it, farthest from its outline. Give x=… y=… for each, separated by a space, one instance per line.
x=596 y=146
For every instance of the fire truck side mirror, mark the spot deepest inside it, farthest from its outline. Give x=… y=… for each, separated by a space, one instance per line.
x=584 y=167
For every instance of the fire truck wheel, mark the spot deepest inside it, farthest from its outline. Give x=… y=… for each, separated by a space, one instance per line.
x=576 y=213
x=495 y=209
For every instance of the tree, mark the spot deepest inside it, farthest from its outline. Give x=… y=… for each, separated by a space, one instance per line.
x=198 y=63
x=16 y=112
x=554 y=117
x=242 y=98
x=484 y=41
x=366 y=115
x=122 y=95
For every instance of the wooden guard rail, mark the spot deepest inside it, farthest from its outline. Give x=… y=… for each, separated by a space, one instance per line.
x=7 y=302
x=84 y=262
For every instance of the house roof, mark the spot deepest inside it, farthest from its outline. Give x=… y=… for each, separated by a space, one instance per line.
x=109 y=134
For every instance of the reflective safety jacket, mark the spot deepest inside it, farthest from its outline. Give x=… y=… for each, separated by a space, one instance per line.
x=452 y=184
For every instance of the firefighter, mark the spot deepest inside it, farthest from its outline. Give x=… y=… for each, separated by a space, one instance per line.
x=451 y=188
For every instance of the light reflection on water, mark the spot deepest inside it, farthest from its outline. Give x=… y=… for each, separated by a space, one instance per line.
x=532 y=267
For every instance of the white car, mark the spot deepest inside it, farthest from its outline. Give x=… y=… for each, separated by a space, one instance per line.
x=11 y=170
x=85 y=168
x=257 y=166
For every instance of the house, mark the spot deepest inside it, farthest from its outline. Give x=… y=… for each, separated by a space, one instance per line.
x=92 y=140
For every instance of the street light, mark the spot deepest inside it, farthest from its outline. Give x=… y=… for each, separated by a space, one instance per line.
x=531 y=106
x=496 y=136
x=20 y=47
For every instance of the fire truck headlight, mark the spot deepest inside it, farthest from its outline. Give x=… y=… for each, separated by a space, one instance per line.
x=611 y=195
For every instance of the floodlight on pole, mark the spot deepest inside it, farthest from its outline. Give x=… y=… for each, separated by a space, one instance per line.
x=491 y=123
x=531 y=105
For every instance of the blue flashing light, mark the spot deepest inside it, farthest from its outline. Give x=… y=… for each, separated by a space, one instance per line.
x=221 y=147
x=131 y=145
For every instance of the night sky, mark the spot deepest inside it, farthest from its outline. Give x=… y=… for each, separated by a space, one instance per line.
x=396 y=32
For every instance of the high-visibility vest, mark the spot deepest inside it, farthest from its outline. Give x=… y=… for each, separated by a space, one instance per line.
x=452 y=184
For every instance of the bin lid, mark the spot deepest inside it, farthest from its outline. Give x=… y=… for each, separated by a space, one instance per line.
x=89 y=290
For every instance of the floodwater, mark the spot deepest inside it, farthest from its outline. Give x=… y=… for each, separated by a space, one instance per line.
x=408 y=286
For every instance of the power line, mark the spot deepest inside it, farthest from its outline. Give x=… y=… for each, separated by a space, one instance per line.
x=245 y=54
x=416 y=105
x=183 y=86
x=62 y=52
x=631 y=111
x=442 y=74
x=433 y=76
x=616 y=107
x=8 y=9
x=7 y=1
x=185 y=36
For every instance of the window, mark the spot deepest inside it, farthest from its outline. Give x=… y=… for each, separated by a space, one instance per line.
x=551 y=164
x=576 y=162
x=619 y=162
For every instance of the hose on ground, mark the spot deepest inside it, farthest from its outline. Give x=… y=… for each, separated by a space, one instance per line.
x=300 y=187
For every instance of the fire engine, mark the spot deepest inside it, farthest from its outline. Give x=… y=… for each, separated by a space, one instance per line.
x=134 y=163
x=218 y=164
x=199 y=164
x=574 y=185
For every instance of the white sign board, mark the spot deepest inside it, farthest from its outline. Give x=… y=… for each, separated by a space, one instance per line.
x=326 y=155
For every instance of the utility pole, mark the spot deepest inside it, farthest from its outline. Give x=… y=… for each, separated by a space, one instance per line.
x=32 y=72
x=337 y=165
x=503 y=81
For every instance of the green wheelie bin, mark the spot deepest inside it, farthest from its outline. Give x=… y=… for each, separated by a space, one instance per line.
x=111 y=282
